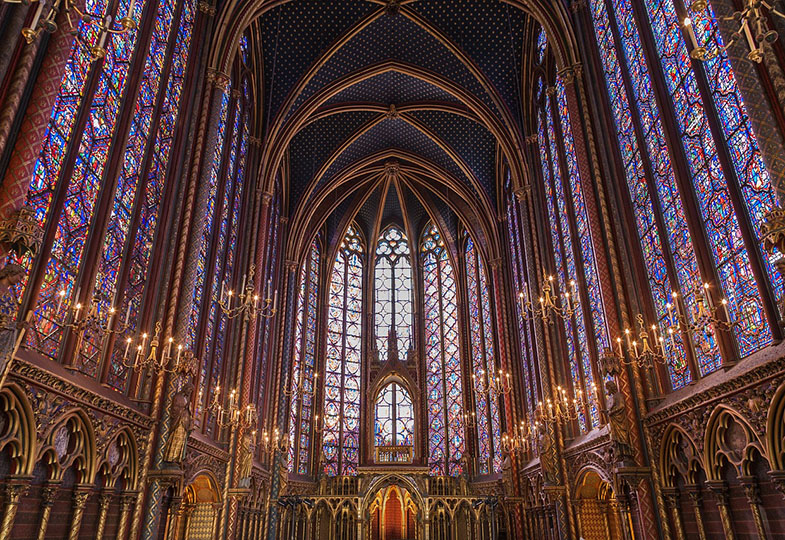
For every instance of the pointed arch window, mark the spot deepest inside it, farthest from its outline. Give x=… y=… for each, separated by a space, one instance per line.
x=341 y=431
x=71 y=180
x=393 y=289
x=481 y=338
x=720 y=152
x=304 y=363
x=394 y=424
x=446 y=438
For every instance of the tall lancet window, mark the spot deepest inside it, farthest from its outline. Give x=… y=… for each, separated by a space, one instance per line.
x=724 y=176
x=303 y=364
x=393 y=277
x=104 y=219
x=341 y=441
x=483 y=362
x=446 y=442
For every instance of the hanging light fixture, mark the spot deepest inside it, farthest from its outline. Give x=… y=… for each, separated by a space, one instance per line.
x=752 y=26
x=44 y=20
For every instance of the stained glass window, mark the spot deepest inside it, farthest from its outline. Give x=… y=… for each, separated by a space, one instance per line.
x=304 y=363
x=653 y=186
x=341 y=431
x=657 y=245
x=394 y=424
x=81 y=189
x=133 y=195
x=542 y=45
x=709 y=180
x=483 y=362
x=525 y=334
x=446 y=438
x=393 y=289
x=565 y=281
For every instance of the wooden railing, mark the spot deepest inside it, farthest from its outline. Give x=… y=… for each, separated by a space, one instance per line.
x=394 y=454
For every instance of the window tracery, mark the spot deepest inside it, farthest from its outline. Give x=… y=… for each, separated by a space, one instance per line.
x=393 y=289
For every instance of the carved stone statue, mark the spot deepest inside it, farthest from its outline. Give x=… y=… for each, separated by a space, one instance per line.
x=617 y=422
x=181 y=425
x=464 y=478
x=245 y=460
x=547 y=454
x=9 y=327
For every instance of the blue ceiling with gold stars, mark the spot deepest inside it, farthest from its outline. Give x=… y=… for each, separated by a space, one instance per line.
x=433 y=82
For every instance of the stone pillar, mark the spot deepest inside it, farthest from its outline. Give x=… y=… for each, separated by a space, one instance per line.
x=14 y=489
x=672 y=500
x=750 y=485
x=720 y=491
x=103 y=506
x=174 y=517
x=81 y=494
x=48 y=493
x=694 y=493
x=126 y=503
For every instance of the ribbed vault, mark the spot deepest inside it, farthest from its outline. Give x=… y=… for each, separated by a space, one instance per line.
x=348 y=91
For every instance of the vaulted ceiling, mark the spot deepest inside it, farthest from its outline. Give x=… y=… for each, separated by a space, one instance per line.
x=389 y=107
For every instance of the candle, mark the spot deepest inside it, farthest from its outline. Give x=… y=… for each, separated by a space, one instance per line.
x=275 y=299
x=635 y=348
x=169 y=348
x=37 y=16
x=618 y=342
x=627 y=335
x=111 y=315
x=691 y=32
x=747 y=34
x=673 y=341
x=567 y=299
x=223 y=290
x=709 y=302
x=127 y=346
x=61 y=294
x=243 y=287
x=142 y=346
x=670 y=313
x=127 y=314
x=724 y=303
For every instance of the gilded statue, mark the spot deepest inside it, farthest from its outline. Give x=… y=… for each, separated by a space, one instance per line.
x=181 y=425
x=10 y=276
x=245 y=460
x=617 y=422
x=547 y=453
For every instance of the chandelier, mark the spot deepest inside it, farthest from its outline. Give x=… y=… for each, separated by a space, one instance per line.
x=547 y=308
x=44 y=20
x=752 y=26
x=246 y=302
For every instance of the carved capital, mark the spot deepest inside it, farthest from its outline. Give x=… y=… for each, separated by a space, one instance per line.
x=778 y=477
x=22 y=232
x=551 y=90
x=719 y=488
x=532 y=139
x=392 y=112
x=291 y=266
x=751 y=489
x=267 y=198
x=81 y=494
x=773 y=230
x=522 y=193
x=48 y=494
x=14 y=489
x=255 y=141
x=218 y=79
x=671 y=495
x=206 y=8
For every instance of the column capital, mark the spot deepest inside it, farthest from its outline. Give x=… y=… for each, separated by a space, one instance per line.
x=218 y=79
x=570 y=73
x=719 y=488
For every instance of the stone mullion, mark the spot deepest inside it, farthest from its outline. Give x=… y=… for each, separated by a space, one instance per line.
x=759 y=102
x=30 y=136
x=126 y=502
x=694 y=493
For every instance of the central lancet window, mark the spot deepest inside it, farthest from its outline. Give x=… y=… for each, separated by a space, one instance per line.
x=446 y=439
x=341 y=441
x=394 y=417
x=393 y=280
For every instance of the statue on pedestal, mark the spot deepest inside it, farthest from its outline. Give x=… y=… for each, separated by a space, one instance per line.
x=181 y=422
x=10 y=276
x=617 y=422
x=547 y=453
x=245 y=460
